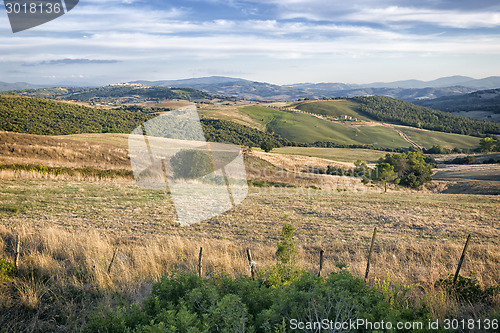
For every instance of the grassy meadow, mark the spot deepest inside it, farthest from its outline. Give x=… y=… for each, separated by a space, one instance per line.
x=428 y=139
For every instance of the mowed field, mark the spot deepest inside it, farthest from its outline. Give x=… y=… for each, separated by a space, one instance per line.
x=334 y=109
x=306 y=128
x=479 y=178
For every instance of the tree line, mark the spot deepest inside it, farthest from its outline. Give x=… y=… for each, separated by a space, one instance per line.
x=403 y=113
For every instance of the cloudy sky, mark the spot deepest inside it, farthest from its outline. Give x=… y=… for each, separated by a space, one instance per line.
x=277 y=41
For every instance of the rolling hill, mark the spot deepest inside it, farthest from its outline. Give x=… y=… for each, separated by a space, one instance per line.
x=309 y=129
x=408 y=90
x=483 y=104
x=310 y=124
x=47 y=117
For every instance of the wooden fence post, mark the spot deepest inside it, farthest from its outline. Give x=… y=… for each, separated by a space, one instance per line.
x=321 y=252
x=200 y=262
x=370 y=254
x=461 y=259
x=251 y=263
x=112 y=260
x=18 y=251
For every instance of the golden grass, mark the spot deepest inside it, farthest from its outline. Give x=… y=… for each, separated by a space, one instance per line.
x=69 y=231
x=299 y=163
x=229 y=112
x=56 y=151
x=418 y=246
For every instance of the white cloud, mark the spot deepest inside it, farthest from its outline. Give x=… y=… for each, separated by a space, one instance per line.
x=445 y=18
x=118 y=29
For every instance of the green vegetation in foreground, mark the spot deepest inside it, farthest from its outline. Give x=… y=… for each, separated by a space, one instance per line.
x=334 y=109
x=280 y=298
x=335 y=154
x=189 y=303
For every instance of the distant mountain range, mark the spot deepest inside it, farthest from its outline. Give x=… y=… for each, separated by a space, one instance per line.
x=482 y=104
x=407 y=90
x=17 y=86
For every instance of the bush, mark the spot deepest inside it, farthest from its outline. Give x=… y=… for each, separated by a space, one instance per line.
x=411 y=168
x=467 y=289
x=191 y=164
x=188 y=303
x=266 y=146
x=7 y=270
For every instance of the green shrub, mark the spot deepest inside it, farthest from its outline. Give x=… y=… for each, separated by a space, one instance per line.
x=7 y=270
x=266 y=146
x=187 y=303
x=191 y=164
x=467 y=289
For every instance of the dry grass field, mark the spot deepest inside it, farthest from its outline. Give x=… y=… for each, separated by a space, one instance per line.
x=416 y=247
x=103 y=150
x=69 y=228
x=231 y=113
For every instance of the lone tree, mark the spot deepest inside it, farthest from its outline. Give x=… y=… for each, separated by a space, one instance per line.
x=191 y=164
x=266 y=146
x=385 y=173
x=411 y=168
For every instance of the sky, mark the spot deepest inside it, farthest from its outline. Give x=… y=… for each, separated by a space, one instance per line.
x=277 y=41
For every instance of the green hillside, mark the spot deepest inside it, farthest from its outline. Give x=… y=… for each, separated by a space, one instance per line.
x=304 y=128
x=428 y=139
x=47 y=117
x=395 y=111
x=335 y=108
x=117 y=94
